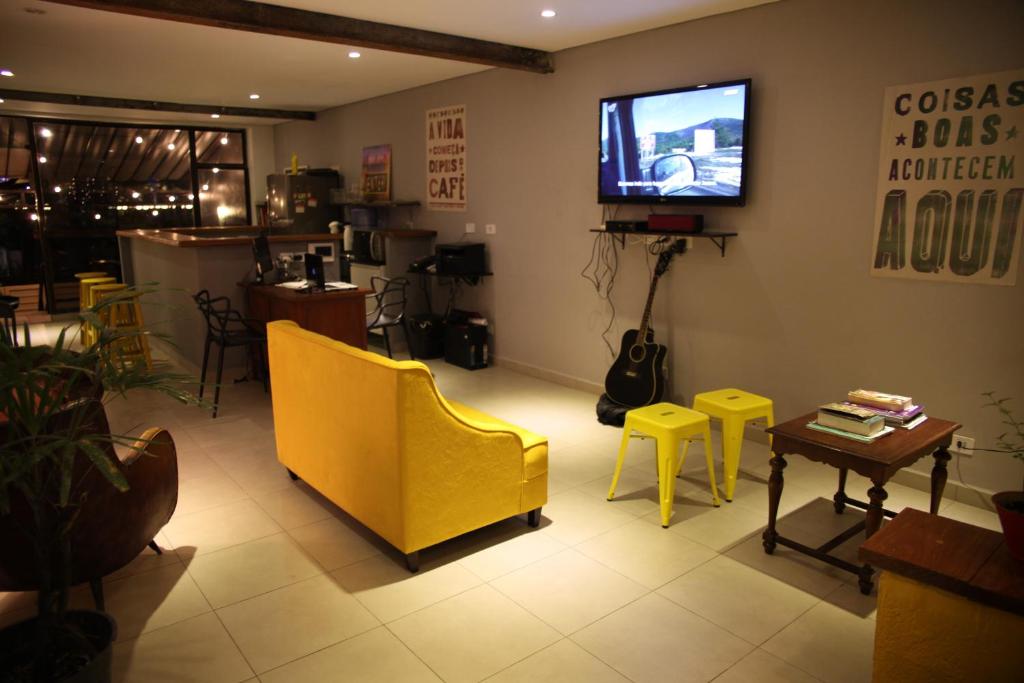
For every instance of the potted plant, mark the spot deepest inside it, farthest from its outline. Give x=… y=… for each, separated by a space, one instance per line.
x=50 y=397
x=1010 y=504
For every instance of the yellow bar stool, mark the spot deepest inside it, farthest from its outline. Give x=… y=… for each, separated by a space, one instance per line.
x=124 y=315
x=668 y=424
x=85 y=286
x=734 y=407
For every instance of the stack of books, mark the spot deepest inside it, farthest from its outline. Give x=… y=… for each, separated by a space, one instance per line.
x=868 y=415
x=897 y=411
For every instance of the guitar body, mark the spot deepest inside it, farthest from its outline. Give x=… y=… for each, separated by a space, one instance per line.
x=637 y=377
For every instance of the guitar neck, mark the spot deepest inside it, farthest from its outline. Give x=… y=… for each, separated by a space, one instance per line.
x=645 y=323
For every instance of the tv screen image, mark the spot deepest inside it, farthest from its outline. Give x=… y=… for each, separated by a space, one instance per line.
x=681 y=146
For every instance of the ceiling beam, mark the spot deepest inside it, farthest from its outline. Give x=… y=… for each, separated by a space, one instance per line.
x=151 y=105
x=259 y=17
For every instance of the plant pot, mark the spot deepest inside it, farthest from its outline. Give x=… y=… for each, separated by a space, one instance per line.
x=16 y=644
x=1010 y=506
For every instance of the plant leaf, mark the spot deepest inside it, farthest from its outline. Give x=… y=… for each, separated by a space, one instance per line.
x=105 y=465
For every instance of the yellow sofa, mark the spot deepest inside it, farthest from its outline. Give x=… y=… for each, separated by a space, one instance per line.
x=377 y=438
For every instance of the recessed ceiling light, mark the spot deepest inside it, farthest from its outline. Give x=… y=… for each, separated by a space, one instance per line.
x=191 y=196
x=206 y=188
x=170 y=146
x=224 y=140
x=46 y=133
x=42 y=159
x=548 y=13
x=354 y=55
x=216 y=170
x=172 y=199
x=57 y=188
x=135 y=195
x=97 y=216
x=6 y=72
x=254 y=96
x=138 y=139
x=155 y=212
x=214 y=116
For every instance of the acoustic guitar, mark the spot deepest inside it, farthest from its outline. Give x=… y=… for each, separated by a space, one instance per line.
x=637 y=377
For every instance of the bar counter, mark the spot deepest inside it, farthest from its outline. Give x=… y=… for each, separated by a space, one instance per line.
x=182 y=261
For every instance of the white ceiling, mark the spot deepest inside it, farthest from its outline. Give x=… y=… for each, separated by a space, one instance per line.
x=91 y=52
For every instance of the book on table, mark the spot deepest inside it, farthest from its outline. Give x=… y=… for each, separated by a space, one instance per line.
x=896 y=418
x=880 y=399
x=850 y=418
x=850 y=435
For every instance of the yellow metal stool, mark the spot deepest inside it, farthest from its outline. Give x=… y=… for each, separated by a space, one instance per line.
x=85 y=300
x=124 y=315
x=668 y=424
x=734 y=407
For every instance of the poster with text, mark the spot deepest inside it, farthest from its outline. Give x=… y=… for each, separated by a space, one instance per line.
x=446 y=158
x=376 y=180
x=951 y=180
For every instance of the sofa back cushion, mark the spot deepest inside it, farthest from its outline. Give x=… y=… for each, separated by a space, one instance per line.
x=336 y=423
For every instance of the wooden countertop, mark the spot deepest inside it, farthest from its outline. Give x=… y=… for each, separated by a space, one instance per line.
x=244 y=234
x=957 y=557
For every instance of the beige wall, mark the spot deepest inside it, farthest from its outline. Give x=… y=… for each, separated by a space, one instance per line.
x=775 y=315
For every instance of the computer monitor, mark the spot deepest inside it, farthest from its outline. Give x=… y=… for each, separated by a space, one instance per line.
x=261 y=253
x=315 y=271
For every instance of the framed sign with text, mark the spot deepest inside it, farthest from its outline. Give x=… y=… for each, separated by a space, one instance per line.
x=446 y=158
x=950 y=185
x=376 y=180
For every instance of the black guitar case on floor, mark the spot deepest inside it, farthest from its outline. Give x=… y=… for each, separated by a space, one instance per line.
x=611 y=413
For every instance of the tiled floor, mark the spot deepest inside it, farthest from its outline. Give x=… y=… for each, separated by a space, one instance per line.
x=266 y=580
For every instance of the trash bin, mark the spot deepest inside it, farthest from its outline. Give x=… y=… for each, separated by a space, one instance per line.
x=426 y=335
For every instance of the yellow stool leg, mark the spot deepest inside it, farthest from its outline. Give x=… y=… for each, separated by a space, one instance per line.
x=732 y=439
x=626 y=430
x=770 y=418
x=682 y=458
x=143 y=339
x=711 y=466
x=667 y=448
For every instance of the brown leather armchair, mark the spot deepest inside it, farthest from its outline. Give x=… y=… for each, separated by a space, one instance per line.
x=113 y=527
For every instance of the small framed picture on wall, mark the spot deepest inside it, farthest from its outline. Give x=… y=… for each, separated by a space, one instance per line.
x=376 y=180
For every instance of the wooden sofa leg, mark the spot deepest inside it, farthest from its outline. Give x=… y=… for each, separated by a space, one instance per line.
x=412 y=561
x=294 y=476
x=155 y=547
x=533 y=518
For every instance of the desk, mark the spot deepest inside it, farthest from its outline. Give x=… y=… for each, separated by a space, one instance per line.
x=339 y=315
x=877 y=461
x=950 y=602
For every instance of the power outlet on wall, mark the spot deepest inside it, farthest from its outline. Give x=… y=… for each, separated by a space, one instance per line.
x=470 y=227
x=963 y=445
x=491 y=228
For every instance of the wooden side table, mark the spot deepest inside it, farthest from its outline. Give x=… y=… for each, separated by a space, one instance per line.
x=877 y=461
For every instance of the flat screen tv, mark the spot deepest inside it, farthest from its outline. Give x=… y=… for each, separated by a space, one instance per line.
x=681 y=146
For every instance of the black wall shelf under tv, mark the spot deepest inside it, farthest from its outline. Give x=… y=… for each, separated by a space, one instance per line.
x=718 y=237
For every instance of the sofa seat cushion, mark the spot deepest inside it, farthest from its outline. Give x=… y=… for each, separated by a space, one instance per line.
x=535 y=447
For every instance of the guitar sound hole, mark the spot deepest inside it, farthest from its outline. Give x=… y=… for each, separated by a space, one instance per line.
x=637 y=353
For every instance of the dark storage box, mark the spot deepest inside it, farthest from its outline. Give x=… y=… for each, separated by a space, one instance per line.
x=465 y=345
x=461 y=258
x=426 y=335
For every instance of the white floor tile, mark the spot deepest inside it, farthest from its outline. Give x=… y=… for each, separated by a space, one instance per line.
x=653 y=639
x=376 y=656
x=243 y=571
x=473 y=635
x=569 y=590
x=277 y=627
x=563 y=661
x=390 y=591
x=197 y=650
x=843 y=644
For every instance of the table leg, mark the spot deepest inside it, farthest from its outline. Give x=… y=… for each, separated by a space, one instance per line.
x=939 y=478
x=872 y=522
x=839 y=500
x=775 y=482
